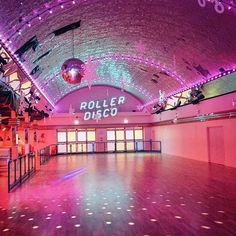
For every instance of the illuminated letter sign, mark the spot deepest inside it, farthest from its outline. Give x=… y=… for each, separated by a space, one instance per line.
x=98 y=109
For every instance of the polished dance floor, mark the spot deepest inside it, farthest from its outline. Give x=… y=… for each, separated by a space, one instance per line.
x=122 y=194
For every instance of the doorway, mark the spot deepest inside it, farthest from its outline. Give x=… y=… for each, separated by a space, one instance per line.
x=216 y=149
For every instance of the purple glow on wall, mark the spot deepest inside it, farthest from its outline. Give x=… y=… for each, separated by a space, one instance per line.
x=73 y=100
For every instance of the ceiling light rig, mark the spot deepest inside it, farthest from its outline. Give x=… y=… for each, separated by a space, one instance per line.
x=219 y=5
x=22 y=67
x=190 y=86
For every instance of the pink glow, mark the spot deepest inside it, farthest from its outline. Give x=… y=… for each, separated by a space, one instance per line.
x=214 y=105
x=96 y=93
x=190 y=141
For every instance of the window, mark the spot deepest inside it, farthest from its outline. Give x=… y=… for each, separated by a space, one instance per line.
x=91 y=135
x=129 y=134
x=73 y=140
x=61 y=136
x=120 y=134
x=125 y=139
x=138 y=133
x=71 y=135
x=81 y=135
x=111 y=135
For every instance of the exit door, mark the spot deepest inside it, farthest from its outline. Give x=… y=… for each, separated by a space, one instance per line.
x=216 y=149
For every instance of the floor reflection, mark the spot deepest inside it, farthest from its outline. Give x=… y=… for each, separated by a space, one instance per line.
x=122 y=194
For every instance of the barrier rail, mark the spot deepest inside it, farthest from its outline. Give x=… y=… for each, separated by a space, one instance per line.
x=99 y=147
x=109 y=146
x=46 y=153
x=20 y=169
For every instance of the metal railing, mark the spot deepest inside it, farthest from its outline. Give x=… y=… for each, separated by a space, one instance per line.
x=20 y=169
x=46 y=153
x=99 y=147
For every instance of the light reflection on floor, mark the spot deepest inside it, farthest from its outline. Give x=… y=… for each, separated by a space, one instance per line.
x=123 y=194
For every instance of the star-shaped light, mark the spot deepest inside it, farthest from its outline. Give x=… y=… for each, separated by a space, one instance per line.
x=97 y=117
x=139 y=107
x=161 y=96
x=90 y=72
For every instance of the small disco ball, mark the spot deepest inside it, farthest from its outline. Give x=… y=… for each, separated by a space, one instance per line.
x=72 y=71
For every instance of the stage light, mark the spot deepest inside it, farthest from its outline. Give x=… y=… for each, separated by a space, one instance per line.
x=196 y=95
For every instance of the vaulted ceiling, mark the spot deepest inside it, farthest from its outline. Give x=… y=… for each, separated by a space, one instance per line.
x=142 y=46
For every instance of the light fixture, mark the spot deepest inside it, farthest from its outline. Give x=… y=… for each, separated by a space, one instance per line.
x=76 y=121
x=202 y=3
x=219 y=7
x=126 y=121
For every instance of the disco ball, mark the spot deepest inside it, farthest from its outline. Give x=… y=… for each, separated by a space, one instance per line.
x=72 y=71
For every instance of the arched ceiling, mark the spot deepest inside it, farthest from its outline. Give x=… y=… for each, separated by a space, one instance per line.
x=142 y=46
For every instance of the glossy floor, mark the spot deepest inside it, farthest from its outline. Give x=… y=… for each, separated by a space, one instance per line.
x=122 y=194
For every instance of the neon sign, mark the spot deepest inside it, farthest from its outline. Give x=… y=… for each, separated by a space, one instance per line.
x=101 y=108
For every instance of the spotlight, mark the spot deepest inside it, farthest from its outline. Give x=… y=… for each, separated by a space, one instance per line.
x=196 y=95
x=76 y=121
x=158 y=108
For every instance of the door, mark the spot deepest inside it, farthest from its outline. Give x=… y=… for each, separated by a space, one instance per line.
x=216 y=152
